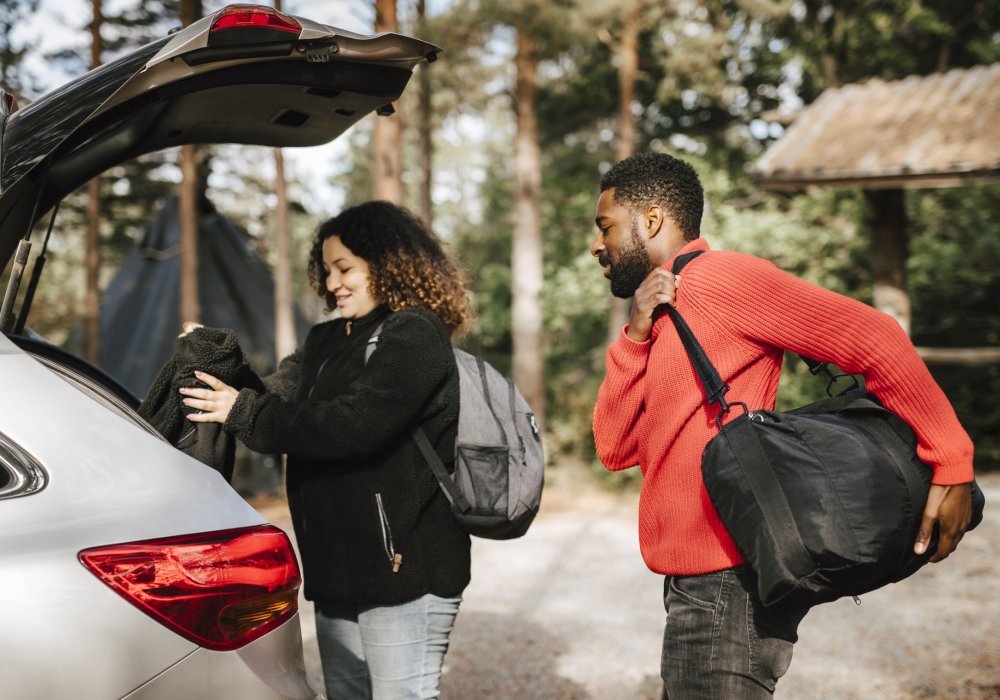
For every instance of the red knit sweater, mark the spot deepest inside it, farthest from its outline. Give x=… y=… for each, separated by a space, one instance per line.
x=651 y=412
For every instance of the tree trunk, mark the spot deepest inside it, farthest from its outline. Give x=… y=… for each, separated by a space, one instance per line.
x=837 y=49
x=285 y=340
x=890 y=247
x=526 y=258
x=188 y=204
x=92 y=264
x=425 y=146
x=628 y=70
x=387 y=170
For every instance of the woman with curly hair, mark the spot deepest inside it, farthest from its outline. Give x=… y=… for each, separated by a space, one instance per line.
x=383 y=559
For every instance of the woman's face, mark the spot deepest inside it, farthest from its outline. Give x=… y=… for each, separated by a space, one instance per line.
x=347 y=278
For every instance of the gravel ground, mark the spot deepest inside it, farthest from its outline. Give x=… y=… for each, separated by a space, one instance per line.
x=570 y=612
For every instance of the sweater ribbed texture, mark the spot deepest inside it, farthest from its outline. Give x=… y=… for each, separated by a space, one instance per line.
x=651 y=409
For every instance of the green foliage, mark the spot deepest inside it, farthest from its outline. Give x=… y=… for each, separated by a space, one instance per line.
x=955 y=294
x=548 y=23
x=709 y=71
x=483 y=248
x=843 y=42
x=818 y=239
x=13 y=77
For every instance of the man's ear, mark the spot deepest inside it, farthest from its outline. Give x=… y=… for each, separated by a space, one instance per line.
x=653 y=219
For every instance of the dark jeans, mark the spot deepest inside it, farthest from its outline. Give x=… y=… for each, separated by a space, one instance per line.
x=720 y=643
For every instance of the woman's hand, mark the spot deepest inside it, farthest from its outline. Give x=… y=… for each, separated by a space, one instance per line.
x=215 y=403
x=189 y=326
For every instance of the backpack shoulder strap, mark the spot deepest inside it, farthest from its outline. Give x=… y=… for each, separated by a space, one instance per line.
x=426 y=449
x=373 y=341
x=440 y=471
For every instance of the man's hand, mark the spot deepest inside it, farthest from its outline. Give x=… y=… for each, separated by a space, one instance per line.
x=950 y=507
x=215 y=403
x=658 y=288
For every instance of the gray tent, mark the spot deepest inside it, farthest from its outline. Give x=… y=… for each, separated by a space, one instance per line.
x=140 y=310
x=140 y=313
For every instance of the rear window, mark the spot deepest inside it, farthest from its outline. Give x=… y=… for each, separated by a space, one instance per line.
x=34 y=131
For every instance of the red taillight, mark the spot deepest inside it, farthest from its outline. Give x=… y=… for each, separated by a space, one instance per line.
x=221 y=590
x=256 y=16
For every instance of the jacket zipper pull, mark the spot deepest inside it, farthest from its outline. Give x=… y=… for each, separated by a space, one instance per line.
x=397 y=561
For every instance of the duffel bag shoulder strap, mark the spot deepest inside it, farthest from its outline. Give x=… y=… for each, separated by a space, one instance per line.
x=715 y=388
x=745 y=446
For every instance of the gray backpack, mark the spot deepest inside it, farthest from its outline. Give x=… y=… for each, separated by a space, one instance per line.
x=496 y=488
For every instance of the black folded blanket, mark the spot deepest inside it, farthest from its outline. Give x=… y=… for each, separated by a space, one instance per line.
x=216 y=352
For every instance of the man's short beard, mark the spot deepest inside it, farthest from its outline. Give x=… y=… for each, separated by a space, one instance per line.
x=632 y=266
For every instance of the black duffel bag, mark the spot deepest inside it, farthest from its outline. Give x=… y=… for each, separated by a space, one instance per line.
x=823 y=501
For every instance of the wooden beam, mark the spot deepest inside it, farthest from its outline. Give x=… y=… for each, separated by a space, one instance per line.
x=890 y=247
x=801 y=181
x=960 y=356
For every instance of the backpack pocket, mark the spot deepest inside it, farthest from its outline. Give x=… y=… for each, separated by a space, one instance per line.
x=481 y=474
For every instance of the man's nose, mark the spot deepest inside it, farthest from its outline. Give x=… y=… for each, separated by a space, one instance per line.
x=597 y=247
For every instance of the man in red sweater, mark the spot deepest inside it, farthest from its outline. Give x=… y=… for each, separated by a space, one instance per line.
x=720 y=642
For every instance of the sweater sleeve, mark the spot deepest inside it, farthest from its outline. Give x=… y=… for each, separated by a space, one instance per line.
x=411 y=364
x=771 y=307
x=620 y=404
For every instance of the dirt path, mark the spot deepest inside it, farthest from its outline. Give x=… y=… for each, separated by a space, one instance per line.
x=570 y=612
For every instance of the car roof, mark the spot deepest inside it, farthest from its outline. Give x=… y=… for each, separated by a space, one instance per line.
x=179 y=90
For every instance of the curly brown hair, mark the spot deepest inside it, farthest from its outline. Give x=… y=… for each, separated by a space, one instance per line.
x=407 y=262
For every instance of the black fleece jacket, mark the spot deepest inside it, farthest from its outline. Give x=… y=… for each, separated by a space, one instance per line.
x=372 y=524
x=212 y=350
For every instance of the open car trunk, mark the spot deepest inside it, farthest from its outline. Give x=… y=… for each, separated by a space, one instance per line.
x=244 y=75
x=203 y=84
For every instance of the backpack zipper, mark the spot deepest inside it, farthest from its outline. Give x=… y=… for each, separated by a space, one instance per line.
x=395 y=558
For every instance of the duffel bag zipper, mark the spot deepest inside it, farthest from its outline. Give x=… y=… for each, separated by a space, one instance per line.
x=395 y=558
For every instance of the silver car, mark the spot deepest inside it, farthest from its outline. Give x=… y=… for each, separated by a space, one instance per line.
x=128 y=569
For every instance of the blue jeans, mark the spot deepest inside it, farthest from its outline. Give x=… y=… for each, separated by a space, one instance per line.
x=390 y=652
x=720 y=643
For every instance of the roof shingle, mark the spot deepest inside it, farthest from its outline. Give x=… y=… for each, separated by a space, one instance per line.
x=922 y=131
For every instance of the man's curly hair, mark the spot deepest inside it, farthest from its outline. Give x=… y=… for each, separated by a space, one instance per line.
x=407 y=262
x=646 y=179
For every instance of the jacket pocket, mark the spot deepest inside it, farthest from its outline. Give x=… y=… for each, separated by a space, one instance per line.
x=395 y=558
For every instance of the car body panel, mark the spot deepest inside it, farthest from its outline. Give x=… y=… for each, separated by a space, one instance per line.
x=163 y=492
x=100 y=496
x=41 y=535
x=260 y=669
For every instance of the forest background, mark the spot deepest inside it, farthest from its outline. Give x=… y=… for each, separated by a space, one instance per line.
x=501 y=142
